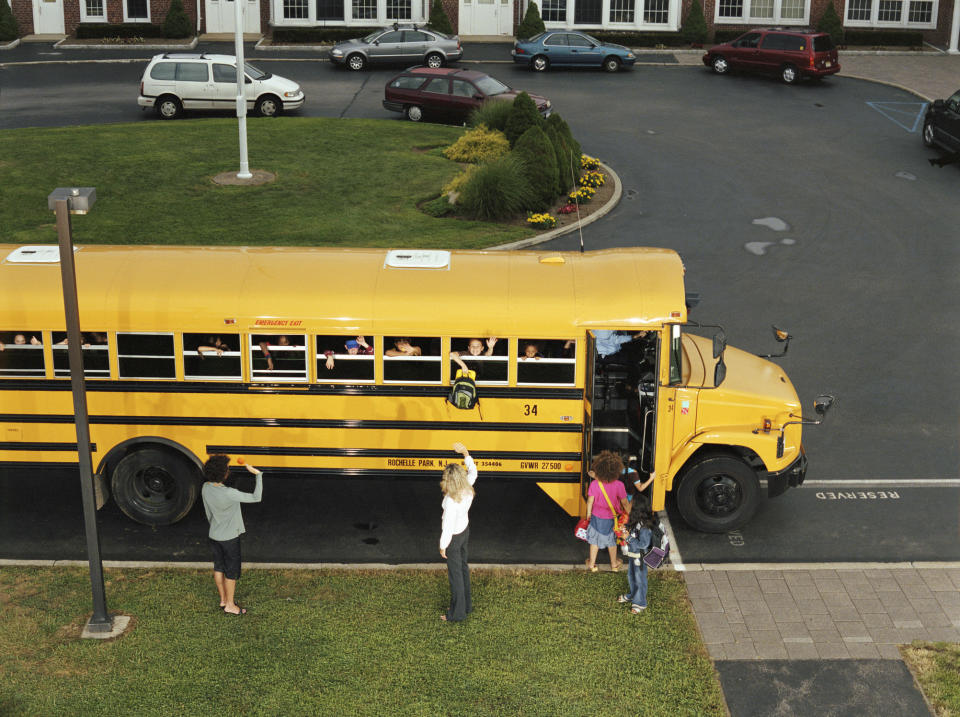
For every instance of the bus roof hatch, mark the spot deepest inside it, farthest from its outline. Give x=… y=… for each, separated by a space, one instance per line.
x=40 y=254
x=417 y=259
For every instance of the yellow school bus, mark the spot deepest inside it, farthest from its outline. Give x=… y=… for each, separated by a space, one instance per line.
x=339 y=362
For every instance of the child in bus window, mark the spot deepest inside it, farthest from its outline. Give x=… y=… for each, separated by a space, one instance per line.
x=403 y=347
x=83 y=341
x=214 y=345
x=474 y=348
x=21 y=340
x=354 y=347
x=531 y=350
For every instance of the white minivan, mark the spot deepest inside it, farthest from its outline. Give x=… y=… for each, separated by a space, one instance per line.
x=173 y=83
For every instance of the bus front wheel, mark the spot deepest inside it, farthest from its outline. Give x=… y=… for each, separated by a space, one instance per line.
x=718 y=493
x=155 y=487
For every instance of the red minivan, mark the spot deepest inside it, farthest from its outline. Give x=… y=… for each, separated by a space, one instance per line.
x=791 y=54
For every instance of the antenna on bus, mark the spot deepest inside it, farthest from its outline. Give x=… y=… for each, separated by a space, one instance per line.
x=573 y=182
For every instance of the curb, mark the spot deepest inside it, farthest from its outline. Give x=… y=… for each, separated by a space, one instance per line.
x=889 y=84
x=10 y=45
x=61 y=45
x=554 y=233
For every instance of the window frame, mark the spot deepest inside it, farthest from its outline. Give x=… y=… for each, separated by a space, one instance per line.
x=904 y=21
x=519 y=361
x=26 y=373
x=253 y=347
x=128 y=18
x=746 y=18
x=173 y=357
x=87 y=17
x=321 y=357
x=184 y=352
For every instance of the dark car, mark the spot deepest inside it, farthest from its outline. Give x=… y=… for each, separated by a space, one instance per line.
x=789 y=53
x=941 y=125
x=447 y=93
x=404 y=44
x=565 y=48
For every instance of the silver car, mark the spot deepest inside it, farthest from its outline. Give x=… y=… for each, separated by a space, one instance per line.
x=399 y=44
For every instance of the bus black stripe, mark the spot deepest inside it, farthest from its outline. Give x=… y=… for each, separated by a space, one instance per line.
x=40 y=446
x=299 y=389
x=379 y=424
x=426 y=474
x=389 y=453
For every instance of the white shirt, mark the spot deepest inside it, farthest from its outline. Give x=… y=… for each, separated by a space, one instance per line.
x=455 y=514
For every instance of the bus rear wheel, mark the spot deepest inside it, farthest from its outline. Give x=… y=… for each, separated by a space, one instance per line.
x=154 y=486
x=718 y=493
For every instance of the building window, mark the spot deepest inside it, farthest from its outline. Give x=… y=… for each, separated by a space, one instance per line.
x=365 y=9
x=621 y=10
x=730 y=8
x=889 y=11
x=761 y=9
x=296 y=10
x=136 y=11
x=330 y=9
x=92 y=11
x=792 y=9
x=859 y=10
x=554 y=10
x=656 y=12
x=588 y=12
x=921 y=11
x=398 y=9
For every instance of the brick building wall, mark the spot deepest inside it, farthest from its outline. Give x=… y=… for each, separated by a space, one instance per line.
x=452 y=8
x=23 y=12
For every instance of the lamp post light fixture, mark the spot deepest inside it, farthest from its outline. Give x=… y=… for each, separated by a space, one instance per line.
x=65 y=201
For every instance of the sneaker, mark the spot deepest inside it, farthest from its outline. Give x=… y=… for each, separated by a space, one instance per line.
x=637 y=609
x=623 y=598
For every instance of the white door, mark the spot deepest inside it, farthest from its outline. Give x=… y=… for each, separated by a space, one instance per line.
x=480 y=17
x=221 y=17
x=48 y=17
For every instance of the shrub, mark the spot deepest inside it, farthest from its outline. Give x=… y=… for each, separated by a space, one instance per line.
x=539 y=163
x=572 y=168
x=478 y=145
x=438 y=19
x=564 y=178
x=831 y=24
x=496 y=190
x=694 y=29
x=439 y=207
x=103 y=30
x=8 y=23
x=532 y=23
x=493 y=113
x=523 y=116
x=895 y=38
x=177 y=22
x=457 y=183
x=320 y=34
x=640 y=39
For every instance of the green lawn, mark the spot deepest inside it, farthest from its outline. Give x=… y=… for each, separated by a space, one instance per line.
x=351 y=643
x=936 y=665
x=339 y=183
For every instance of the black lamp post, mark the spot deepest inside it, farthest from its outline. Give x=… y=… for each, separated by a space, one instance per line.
x=64 y=202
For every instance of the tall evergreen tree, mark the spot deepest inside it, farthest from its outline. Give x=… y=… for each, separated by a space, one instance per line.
x=439 y=20
x=694 y=29
x=8 y=23
x=532 y=23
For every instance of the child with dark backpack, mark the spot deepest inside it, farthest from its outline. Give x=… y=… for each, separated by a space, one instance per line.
x=639 y=531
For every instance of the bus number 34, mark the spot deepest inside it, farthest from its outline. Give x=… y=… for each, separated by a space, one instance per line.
x=529 y=410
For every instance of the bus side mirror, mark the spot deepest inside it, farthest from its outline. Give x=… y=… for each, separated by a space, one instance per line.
x=719 y=344
x=822 y=404
x=719 y=372
x=781 y=337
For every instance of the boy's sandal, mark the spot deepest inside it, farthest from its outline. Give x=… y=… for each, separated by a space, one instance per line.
x=616 y=566
x=637 y=609
x=591 y=568
x=623 y=598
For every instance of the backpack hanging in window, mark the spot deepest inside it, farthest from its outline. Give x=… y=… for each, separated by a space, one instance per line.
x=463 y=393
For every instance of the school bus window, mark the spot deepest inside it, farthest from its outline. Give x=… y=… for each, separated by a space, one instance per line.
x=95 y=351
x=214 y=357
x=486 y=356
x=21 y=353
x=411 y=359
x=546 y=361
x=278 y=357
x=344 y=358
x=676 y=356
x=146 y=355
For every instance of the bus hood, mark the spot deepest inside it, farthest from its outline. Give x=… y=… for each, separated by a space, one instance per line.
x=754 y=389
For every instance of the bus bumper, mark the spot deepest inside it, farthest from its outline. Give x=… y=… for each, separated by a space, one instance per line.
x=790 y=477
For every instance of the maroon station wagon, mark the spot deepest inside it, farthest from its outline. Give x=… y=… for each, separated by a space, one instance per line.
x=789 y=53
x=447 y=92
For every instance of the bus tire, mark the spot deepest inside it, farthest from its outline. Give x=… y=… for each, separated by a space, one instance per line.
x=154 y=486
x=718 y=493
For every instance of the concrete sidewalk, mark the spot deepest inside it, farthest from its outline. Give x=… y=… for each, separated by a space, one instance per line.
x=823 y=612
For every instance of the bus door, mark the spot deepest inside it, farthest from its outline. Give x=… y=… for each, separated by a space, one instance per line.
x=650 y=406
x=588 y=392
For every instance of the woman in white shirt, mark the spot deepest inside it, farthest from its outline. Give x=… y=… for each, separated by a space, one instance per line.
x=457 y=487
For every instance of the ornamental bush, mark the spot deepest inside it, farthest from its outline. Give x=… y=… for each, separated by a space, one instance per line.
x=571 y=169
x=8 y=23
x=831 y=24
x=477 y=145
x=694 y=29
x=495 y=190
x=493 y=113
x=532 y=23
x=523 y=116
x=177 y=22
x=439 y=20
x=457 y=183
x=539 y=163
x=564 y=178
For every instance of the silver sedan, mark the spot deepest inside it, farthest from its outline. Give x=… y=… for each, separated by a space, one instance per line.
x=398 y=44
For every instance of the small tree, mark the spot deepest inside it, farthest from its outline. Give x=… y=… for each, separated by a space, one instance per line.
x=523 y=116
x=532 y=23
x=694 y=28
x=563 y=129
x=177 y=22
x=8 y=23
x=830 y=23
x=564 y=155
x=539 y=162
x=439 y=20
